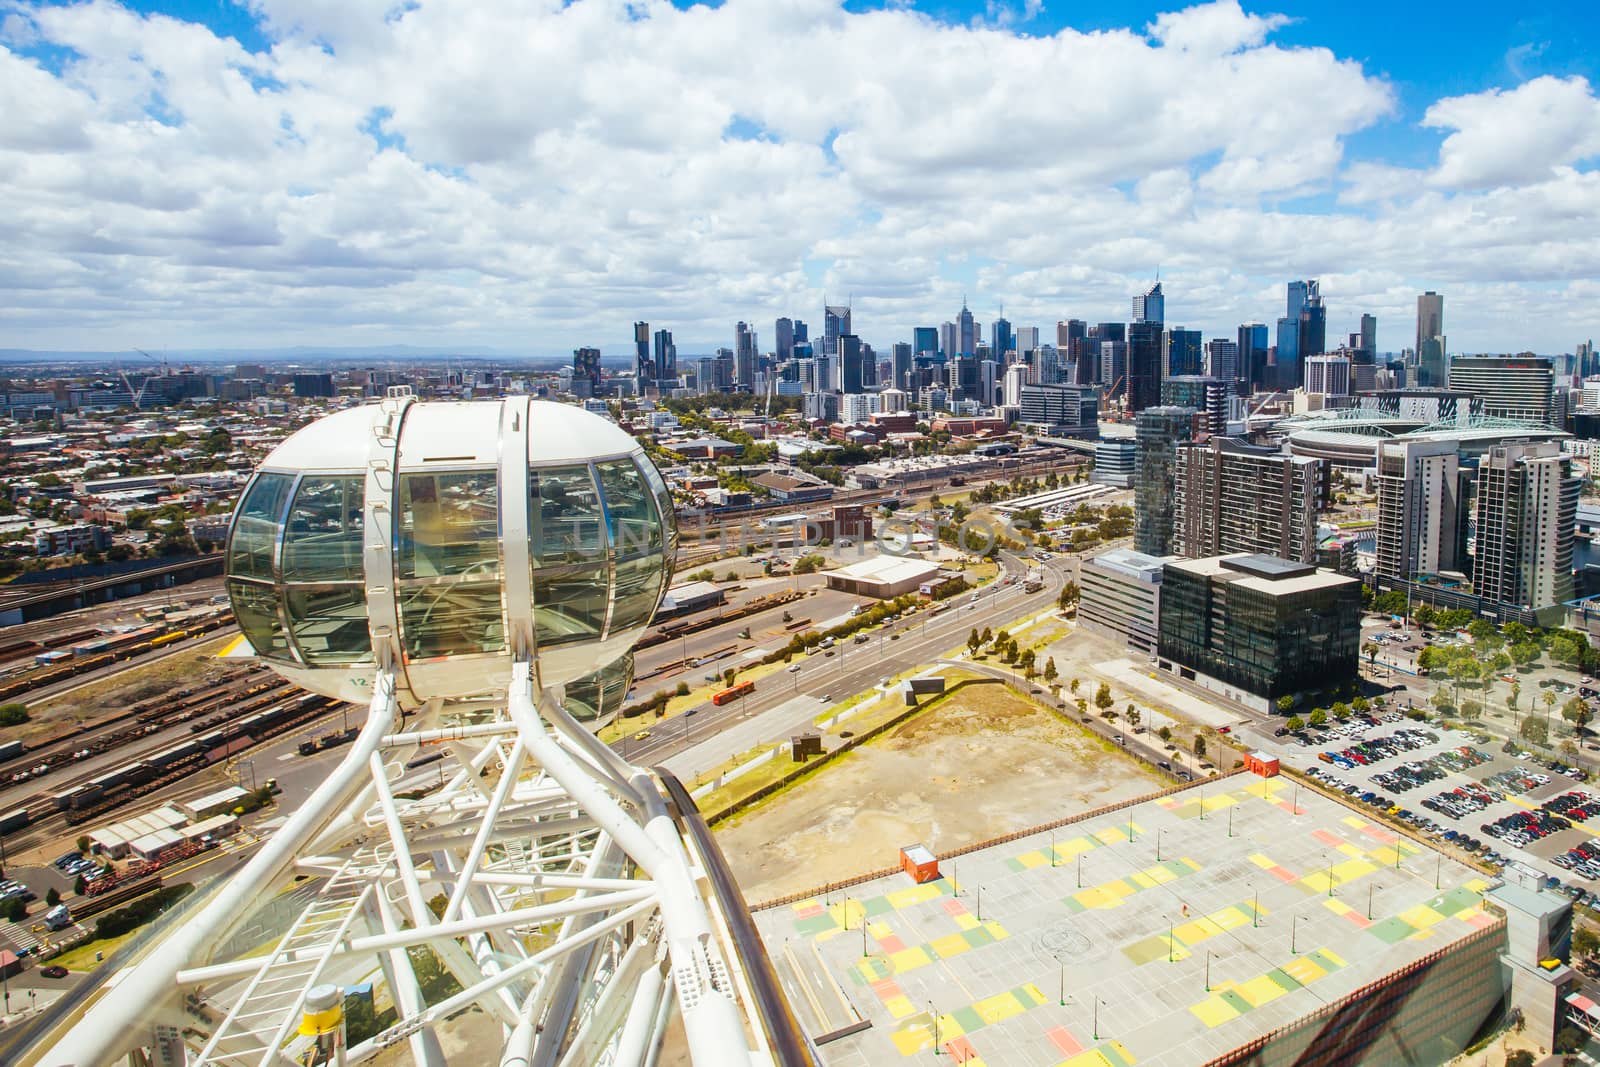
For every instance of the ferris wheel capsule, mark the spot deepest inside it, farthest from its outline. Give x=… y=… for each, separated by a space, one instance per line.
x=442 y=540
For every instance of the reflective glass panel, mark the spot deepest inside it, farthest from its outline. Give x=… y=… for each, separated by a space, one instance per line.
x=601 y=693
x=323 y=542
x=255 y=531
x=569 y=604
x=638 y=591
x=452 y=619
x=565 y=522
x=449 y=525
x=663 y=495
x=256 y=609
x=630 y=510
x=330 y=623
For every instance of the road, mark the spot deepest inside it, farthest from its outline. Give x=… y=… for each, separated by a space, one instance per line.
x=853 y=668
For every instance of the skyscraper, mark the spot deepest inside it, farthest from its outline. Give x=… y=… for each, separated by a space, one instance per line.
x=902 y=365
x=966 y=332
x=801 y=333
x=1430 y=339
x=1111 y=367
x=1253 y=345
x=1026 y=339
x=666 y=356
x=1328 y=375
x=1526 y=514
x=1145 y=342
x=835 y=324
x=1184 y=353
x=852 y=377
x=1301 y=332
x=1150 y=305
x=643 y=369
x=744 y=357
x=1158 y=432
x=586 y=365
x=1000 y=339
x=1369 y=337
x=1222 y=361
x=1203 y=394
x=924 y=342
x=783 y=339
x=947 y=341
x=1419 y=507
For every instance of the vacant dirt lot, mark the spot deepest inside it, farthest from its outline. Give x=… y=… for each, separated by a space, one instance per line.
x=985 y=762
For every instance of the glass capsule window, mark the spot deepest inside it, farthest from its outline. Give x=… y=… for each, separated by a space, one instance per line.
x=322 y=538
x=447 y=558
x=255 y=528
x=566 y=523
x=255 y=608
x=600 y=694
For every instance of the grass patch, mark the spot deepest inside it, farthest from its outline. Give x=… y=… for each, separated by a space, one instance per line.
x=82 y=958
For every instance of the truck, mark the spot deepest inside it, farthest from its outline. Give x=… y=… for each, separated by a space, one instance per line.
x=1034 y=582
x=58 y=917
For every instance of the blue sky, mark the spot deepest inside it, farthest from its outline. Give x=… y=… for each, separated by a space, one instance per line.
x=540 y=179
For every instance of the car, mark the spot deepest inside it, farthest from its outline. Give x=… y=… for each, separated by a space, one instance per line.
x=53 y=971
x=1118 y=739
x=825 y=697
x=641 y=735
x=795 y=669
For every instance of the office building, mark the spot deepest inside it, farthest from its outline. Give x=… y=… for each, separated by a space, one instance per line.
x=1430 y=339
x=1254 y=348
x=966 y=339
x=304 y=384
x=783 y=339
x=586 y=367
x=1061 y=410
x=1302 y=331
x=1016 y=377
x=1222 y=361
x=1511 y=387
x=643 y=369
x=744 y=358
x=1113 y=364
x=835 y=324
x=1158 y=432
x=901 y=370
x=947 y=341
x=715 y=374
x=1115 y=463
x=1026 y=339
x=1369 y=337
x=820 y=406
x=1001 y=339
x=1327 y=375
x=1150 y=306
x=925 y=342
x=1185 y=352
x=1232 y=496
x=1527 y=503
x=1146 y=341
x=852 y=364
x=1254 y=628
x=1419 y=508
x=1120 y=596
x=1209 y=396
x=933 y=398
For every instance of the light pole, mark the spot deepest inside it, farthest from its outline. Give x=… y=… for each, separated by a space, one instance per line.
x=1080 y=870
x=935 y=1014
x=1230 y=820
x=1052 y=848
x=1370 y=888
x=1330 y=874
x=1063 y=985
x=1437 y=861
x=980 y=902
x=1255 y=907
x=1294 y=929
x=1169 y=938
x=1095 y=1027
x=1159 y=834
x=1208 y=970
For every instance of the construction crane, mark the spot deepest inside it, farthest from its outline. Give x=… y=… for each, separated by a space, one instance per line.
x=138 y=394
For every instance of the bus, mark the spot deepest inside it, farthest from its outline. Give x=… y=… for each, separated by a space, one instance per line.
x=734 y=693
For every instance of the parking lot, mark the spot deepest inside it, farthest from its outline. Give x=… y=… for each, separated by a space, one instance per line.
x=1458 y=787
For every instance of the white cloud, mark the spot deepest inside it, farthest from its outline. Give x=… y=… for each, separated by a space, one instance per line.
x=1515 y=136
x=538 y=174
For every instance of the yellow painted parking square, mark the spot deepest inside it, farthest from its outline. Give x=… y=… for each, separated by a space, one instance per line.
x=1332 y=955
x=950 y=945
x=1421 y=917
x=879 y=930
x=912 y=1040
x=916 y=894
x=1303 y=970
x=1096 y=897
x=1350 y=870
x=1190 y=933
x=1160 y=875
x=1260 y=990
x=998 y=1009
x=1189 y=863
x=1351 y=850
x=1351 y=820
x=949 y=1029
x=900 y=1006
x=996 y=931
x=909 y=959
x=1119 y=888
x=1214 y=1012
x=1387 y=856
x=1143 y=880
x=1335 y=905
x=967 y=921
x=1031 y=990
x=1261 y=861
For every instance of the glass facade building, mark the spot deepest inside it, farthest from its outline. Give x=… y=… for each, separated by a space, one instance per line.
x=1263 y=626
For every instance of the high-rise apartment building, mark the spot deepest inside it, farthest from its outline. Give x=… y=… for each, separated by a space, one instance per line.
x=1232 y=496
x=643 y=369
x=1511 y=387
x=1202 y=393
x=1158 y=432
x=1145 y=345
x=1111 y=362
x=835 y=324
x=1150 y=305
x=1526 y=514
x=665 y=355
x=783 y=339
x=1419 y=508
x=744 y=359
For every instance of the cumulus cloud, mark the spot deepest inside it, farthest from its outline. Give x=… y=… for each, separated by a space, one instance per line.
x=539 y=174
x=1515 y=136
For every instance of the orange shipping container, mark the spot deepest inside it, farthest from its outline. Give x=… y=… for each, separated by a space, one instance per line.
x=919 y=863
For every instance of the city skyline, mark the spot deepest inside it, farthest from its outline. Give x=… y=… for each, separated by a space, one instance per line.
x=190 y=175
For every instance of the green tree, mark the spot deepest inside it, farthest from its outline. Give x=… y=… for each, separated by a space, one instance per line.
x=1360 y=705
x=83 y=843
x=1102 y=697
x=683 y=689
x=1026 y=662
x=1576 y=711
x=1284 y=704
x=1533 y=729
x=13 y=909
x=52 y=897
x=986 y=636
x=1520 y=1057
x=728 y=676
x=1199 y=747
x=1133 y=716
x=1341 y=710
x=974 y=642
x=1318 y=717
x=1295 y=723
x=13 y=714
x=1585 y=942
x=1049 y=670
x=79 y=885
x=1513 y=696
x=1471 y=710
x=1165 y=733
